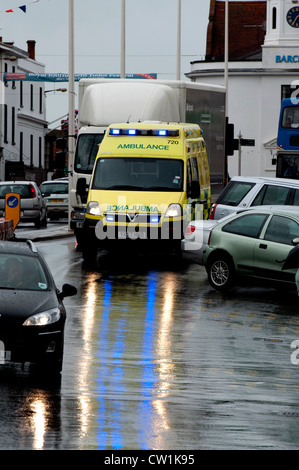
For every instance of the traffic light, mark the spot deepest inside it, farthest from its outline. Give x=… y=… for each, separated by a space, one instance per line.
x=60 y=157
x=231 y=144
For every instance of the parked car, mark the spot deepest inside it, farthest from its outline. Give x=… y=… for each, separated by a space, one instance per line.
x=198 y=232
x=252 y=245
x=196 y=238
x=32 y=205
x=32 y=314
x=56 y=194
x=244 y=192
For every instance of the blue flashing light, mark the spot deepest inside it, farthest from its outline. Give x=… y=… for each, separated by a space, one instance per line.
x=110 y=218
x=154 y=219
x=145 y=132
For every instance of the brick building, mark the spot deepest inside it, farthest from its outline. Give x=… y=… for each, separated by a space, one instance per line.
x=247 y=28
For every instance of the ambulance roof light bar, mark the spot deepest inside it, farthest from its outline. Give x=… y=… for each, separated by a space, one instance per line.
x=145 y=132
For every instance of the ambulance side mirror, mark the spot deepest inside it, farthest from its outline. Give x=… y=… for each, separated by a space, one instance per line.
x=194 y=189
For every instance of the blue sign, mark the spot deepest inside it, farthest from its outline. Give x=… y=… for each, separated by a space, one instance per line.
x=287 y=59
x=63 y=77
x=12 y=201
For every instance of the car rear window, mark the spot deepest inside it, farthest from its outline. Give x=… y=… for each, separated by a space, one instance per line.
x=234 y=193
x=54 y=188
x=25 y=191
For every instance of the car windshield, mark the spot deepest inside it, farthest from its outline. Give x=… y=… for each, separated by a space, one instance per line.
x=138 y=174
x=21 y=273
x=54 y=188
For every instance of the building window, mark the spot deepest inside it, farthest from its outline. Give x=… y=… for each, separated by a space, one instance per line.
x=13 y=83
x=21 y=146
x=5 y=71
x=41 y=100
x=5 y=125
x=31 y=98
x=289 y=91
x=13 y=125
x=274 y=18
x=40 y=152
x=31 y=150
x=21 y=95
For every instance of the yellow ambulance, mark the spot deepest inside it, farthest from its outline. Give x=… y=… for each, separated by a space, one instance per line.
x=149 y=181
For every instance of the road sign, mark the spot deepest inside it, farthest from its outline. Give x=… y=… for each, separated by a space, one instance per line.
x=247 y=142
x=13 y=208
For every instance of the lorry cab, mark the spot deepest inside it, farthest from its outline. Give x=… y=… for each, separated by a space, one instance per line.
x=149 y=181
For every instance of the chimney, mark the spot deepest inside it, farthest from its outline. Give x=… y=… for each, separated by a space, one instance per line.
x=31 y=49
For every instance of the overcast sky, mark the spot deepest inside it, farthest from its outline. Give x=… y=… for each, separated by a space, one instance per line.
x=151 y=36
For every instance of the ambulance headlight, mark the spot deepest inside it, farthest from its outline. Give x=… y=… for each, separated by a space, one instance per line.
x=93 y=208
x=174 y=210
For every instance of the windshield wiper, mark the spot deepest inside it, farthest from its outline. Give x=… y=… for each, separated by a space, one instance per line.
x=158 y=188
x=124 y=186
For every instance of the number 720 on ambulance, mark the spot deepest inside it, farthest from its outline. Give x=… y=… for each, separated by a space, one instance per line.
x=149 y=181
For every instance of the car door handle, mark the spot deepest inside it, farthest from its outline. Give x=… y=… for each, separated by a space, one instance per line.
x=263 y=246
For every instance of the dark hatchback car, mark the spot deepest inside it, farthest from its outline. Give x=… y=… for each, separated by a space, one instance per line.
x=32 y=314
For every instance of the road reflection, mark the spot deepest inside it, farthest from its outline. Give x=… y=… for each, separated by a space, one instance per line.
x=155 y=359
x=128 y=353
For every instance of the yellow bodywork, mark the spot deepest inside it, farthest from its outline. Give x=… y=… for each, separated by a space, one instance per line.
x=128 y=207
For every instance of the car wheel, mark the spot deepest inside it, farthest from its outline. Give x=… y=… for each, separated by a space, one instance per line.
x=221 y=272
x=37 y=223
x=44 y=221
x=89 y=248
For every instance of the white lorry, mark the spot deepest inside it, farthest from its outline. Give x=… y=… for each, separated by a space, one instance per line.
x=103 y=102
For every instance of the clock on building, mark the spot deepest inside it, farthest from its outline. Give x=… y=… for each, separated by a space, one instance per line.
x=293 y=17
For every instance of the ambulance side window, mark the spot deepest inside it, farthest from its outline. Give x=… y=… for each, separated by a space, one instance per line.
x=189 y=175
x=195 y=169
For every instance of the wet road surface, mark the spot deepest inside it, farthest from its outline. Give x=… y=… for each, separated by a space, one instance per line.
x=156 y=359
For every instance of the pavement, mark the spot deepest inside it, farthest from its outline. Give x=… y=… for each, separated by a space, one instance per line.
x=48 y=233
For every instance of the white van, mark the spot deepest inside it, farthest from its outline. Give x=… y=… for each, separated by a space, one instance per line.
x=243 y=192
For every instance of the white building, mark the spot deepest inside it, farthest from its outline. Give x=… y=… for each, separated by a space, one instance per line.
x=22 y=116
x=256 y=88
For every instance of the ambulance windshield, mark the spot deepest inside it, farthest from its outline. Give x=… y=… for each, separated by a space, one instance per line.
x=138 y=174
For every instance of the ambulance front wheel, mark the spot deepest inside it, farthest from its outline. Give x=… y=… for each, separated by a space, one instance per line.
x=89 y=248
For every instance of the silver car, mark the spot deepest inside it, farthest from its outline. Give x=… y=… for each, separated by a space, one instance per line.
x=32 y=205
x=56 y=195
x=243 y=192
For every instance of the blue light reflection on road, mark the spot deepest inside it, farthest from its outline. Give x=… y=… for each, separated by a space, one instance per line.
x=102 y=437
x=148 y=372
x=111 y=382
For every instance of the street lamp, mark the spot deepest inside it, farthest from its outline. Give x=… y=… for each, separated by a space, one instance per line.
x=178 y=64
x=226 y=57
x=71 y=136
x=123 y=40
x=63 y=90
